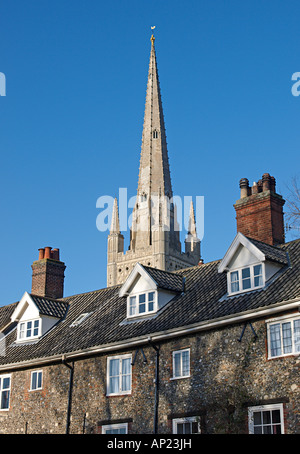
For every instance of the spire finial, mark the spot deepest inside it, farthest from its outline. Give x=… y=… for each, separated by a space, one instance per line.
x=152 y=37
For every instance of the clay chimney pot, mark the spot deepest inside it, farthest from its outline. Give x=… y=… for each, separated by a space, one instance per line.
x=47 y=252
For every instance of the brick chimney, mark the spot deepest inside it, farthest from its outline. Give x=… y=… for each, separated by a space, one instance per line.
x=259 y=211
x=48 y=274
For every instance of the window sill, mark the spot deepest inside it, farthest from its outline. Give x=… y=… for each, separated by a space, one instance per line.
x=287 y=355
x=180 y=378
x=119 y=395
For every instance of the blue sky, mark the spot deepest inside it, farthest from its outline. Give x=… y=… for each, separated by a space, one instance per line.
x=71 y=120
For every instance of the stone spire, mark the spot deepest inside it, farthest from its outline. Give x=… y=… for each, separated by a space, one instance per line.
x=115 y=224
x=154 y=208
x=154 y=174
x=192 y=223
x=154 y=233
x=192 y=242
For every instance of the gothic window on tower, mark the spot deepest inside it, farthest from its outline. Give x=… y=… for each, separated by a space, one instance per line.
x=155 y=134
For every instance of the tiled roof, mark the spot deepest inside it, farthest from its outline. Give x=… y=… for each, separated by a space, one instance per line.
x=201 y=302
x=50 y=307
x=166 y=280
x=273 y=253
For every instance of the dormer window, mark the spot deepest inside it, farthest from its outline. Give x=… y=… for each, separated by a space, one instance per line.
x=244 y=279
x=142 y=303
x=29 y=329
x=35 y=316
x=148 y=290
x=250 y=264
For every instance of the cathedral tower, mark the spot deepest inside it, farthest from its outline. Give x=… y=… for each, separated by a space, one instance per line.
x=154 y=236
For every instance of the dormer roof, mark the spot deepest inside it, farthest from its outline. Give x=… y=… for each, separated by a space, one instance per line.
x=262 y=251
x=158 y=278
x=42 y=306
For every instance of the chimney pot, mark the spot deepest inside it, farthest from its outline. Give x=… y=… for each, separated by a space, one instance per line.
x=272 y=184
x=254 y=188
x=266 y=182
x=47 y=252
x=55 y=254
x=244 y=185
x=41 y=253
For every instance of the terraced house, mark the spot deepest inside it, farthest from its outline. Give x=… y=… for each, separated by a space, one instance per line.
x=172 y=345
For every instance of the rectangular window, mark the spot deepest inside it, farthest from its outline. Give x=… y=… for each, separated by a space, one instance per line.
x=115 y=429
x=119 y=375
x=140 y=304
x=189 y=425
x=150 y=301
x=245 y=279
x=4 y=392
x=234 y=276
x=29 y=329
x=284 y=337
x=258 y=277
x=181 y=363
x=132 y=305
x=36 y=380
x=266 y=419
x=22 y=331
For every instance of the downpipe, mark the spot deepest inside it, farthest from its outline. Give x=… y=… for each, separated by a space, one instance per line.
x=156 y=389
x=71 y=368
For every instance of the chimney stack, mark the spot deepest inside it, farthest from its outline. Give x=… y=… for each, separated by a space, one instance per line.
x=259 y=211
x=48 y=274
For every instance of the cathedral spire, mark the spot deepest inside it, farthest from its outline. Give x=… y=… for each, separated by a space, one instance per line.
x=192 y=223
x=154 y=232
x=154 y=174
x=192 y=242
x=115 y=224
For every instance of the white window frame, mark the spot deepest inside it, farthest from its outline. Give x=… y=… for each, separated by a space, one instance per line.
x=80 y=319
x=137 y=312
x=240 y=279
x=281 y=321
x=190 y=419
x=269 y=408
x=23 y=328
x=120 y=375
x=180 y=352
x=38 y=373
x=3 y=390
x=106 y=428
